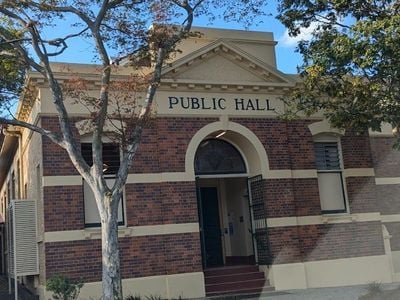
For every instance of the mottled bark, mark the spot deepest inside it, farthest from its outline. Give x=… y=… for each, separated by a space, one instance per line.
x=111 y=278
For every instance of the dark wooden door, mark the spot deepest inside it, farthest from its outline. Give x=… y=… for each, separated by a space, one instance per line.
x=211 y=227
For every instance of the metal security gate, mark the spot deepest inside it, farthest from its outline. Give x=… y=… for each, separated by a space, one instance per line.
x=200 y=215
x=258 y=214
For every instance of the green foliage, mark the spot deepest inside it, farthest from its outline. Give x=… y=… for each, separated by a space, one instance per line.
x=63 y=288
x=12 y=69
x=133 y=297
x=375 y=288
x=153 y=297
x=351 y=66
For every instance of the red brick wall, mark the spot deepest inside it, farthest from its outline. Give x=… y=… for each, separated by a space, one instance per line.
x=301 y=144
x=284 y=245
x=292 y=197
x=55 y=159
x=272 y=134
x=174 y=135
x=63 y=208
x=162 y=149
x=361 y=192
x=146 y=158
x=334 y=241
x=356 y=150
x=306 y=194
x=388 y=201
x=140 y=256
x=326 y=241
x=279 y=198
x=145 y=204
x=386 y=159
x=161 y=203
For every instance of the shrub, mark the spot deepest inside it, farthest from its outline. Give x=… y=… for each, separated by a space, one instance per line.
x=130 y=297
x=63 y=288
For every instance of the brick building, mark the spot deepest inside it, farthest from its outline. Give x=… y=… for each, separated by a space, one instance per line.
x=218 y=180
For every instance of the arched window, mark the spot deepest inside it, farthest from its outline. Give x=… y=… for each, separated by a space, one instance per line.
x=215 y=156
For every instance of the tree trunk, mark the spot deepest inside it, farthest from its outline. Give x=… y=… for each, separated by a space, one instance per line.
x=112 y=286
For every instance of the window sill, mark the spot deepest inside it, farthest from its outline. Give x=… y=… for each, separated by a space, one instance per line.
x=347 y=217
x=91 y=233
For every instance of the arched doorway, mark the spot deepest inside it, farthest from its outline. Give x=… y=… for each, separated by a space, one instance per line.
x=224 y=213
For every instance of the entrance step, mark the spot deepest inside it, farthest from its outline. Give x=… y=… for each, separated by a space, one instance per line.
x=249 y=293
x=237 y=280
x=220 y=271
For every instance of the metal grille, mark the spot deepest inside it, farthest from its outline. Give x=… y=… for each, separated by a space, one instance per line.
x=259 y=214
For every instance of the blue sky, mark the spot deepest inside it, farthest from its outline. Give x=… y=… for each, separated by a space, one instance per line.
x=287 y=58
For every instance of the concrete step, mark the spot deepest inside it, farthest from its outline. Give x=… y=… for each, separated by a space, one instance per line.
x=230 y=270
x=235 y=280
x=234 y=277
x=251 y=292
x=229 y=286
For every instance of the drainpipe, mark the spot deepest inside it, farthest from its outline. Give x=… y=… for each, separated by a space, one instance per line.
x=12 y=131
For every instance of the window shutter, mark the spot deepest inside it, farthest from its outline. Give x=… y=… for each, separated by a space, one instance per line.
x=327 y=156
x=330 y=181
x=111 y=161
x=92 y=216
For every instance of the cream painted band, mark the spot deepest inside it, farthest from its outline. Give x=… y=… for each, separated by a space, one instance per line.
x=158 y=177
x=323 y=219
x=76 y=235
x=390 y=218
x=182 y=176
x=89 y=234
x=387 y=180
x=132 y=178
x=174 y=286
x=359 y=172
x=330 y=273
x=61 y=180
x=282 y=174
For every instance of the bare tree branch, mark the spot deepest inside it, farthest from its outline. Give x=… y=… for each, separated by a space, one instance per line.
x=66 y=9
x=54 y=137
x=62 y=42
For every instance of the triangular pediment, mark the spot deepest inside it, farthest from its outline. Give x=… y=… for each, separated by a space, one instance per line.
x=224 y=63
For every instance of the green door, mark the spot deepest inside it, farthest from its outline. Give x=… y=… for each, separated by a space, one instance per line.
x=211 y=227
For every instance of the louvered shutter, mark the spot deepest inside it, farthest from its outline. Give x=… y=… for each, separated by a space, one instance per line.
x=111 y=161
x=327 y=156
x=22 y=236
x=330 y=180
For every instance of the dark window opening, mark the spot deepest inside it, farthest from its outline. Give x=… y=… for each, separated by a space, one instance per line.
x=218 y=157
x=111 y=157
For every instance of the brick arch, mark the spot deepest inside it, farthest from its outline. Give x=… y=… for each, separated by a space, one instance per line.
x=244 y=139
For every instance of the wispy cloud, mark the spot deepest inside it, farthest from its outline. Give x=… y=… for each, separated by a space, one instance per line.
x=291 y=41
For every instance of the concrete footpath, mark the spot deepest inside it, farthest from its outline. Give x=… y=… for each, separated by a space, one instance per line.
x=336 y=293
